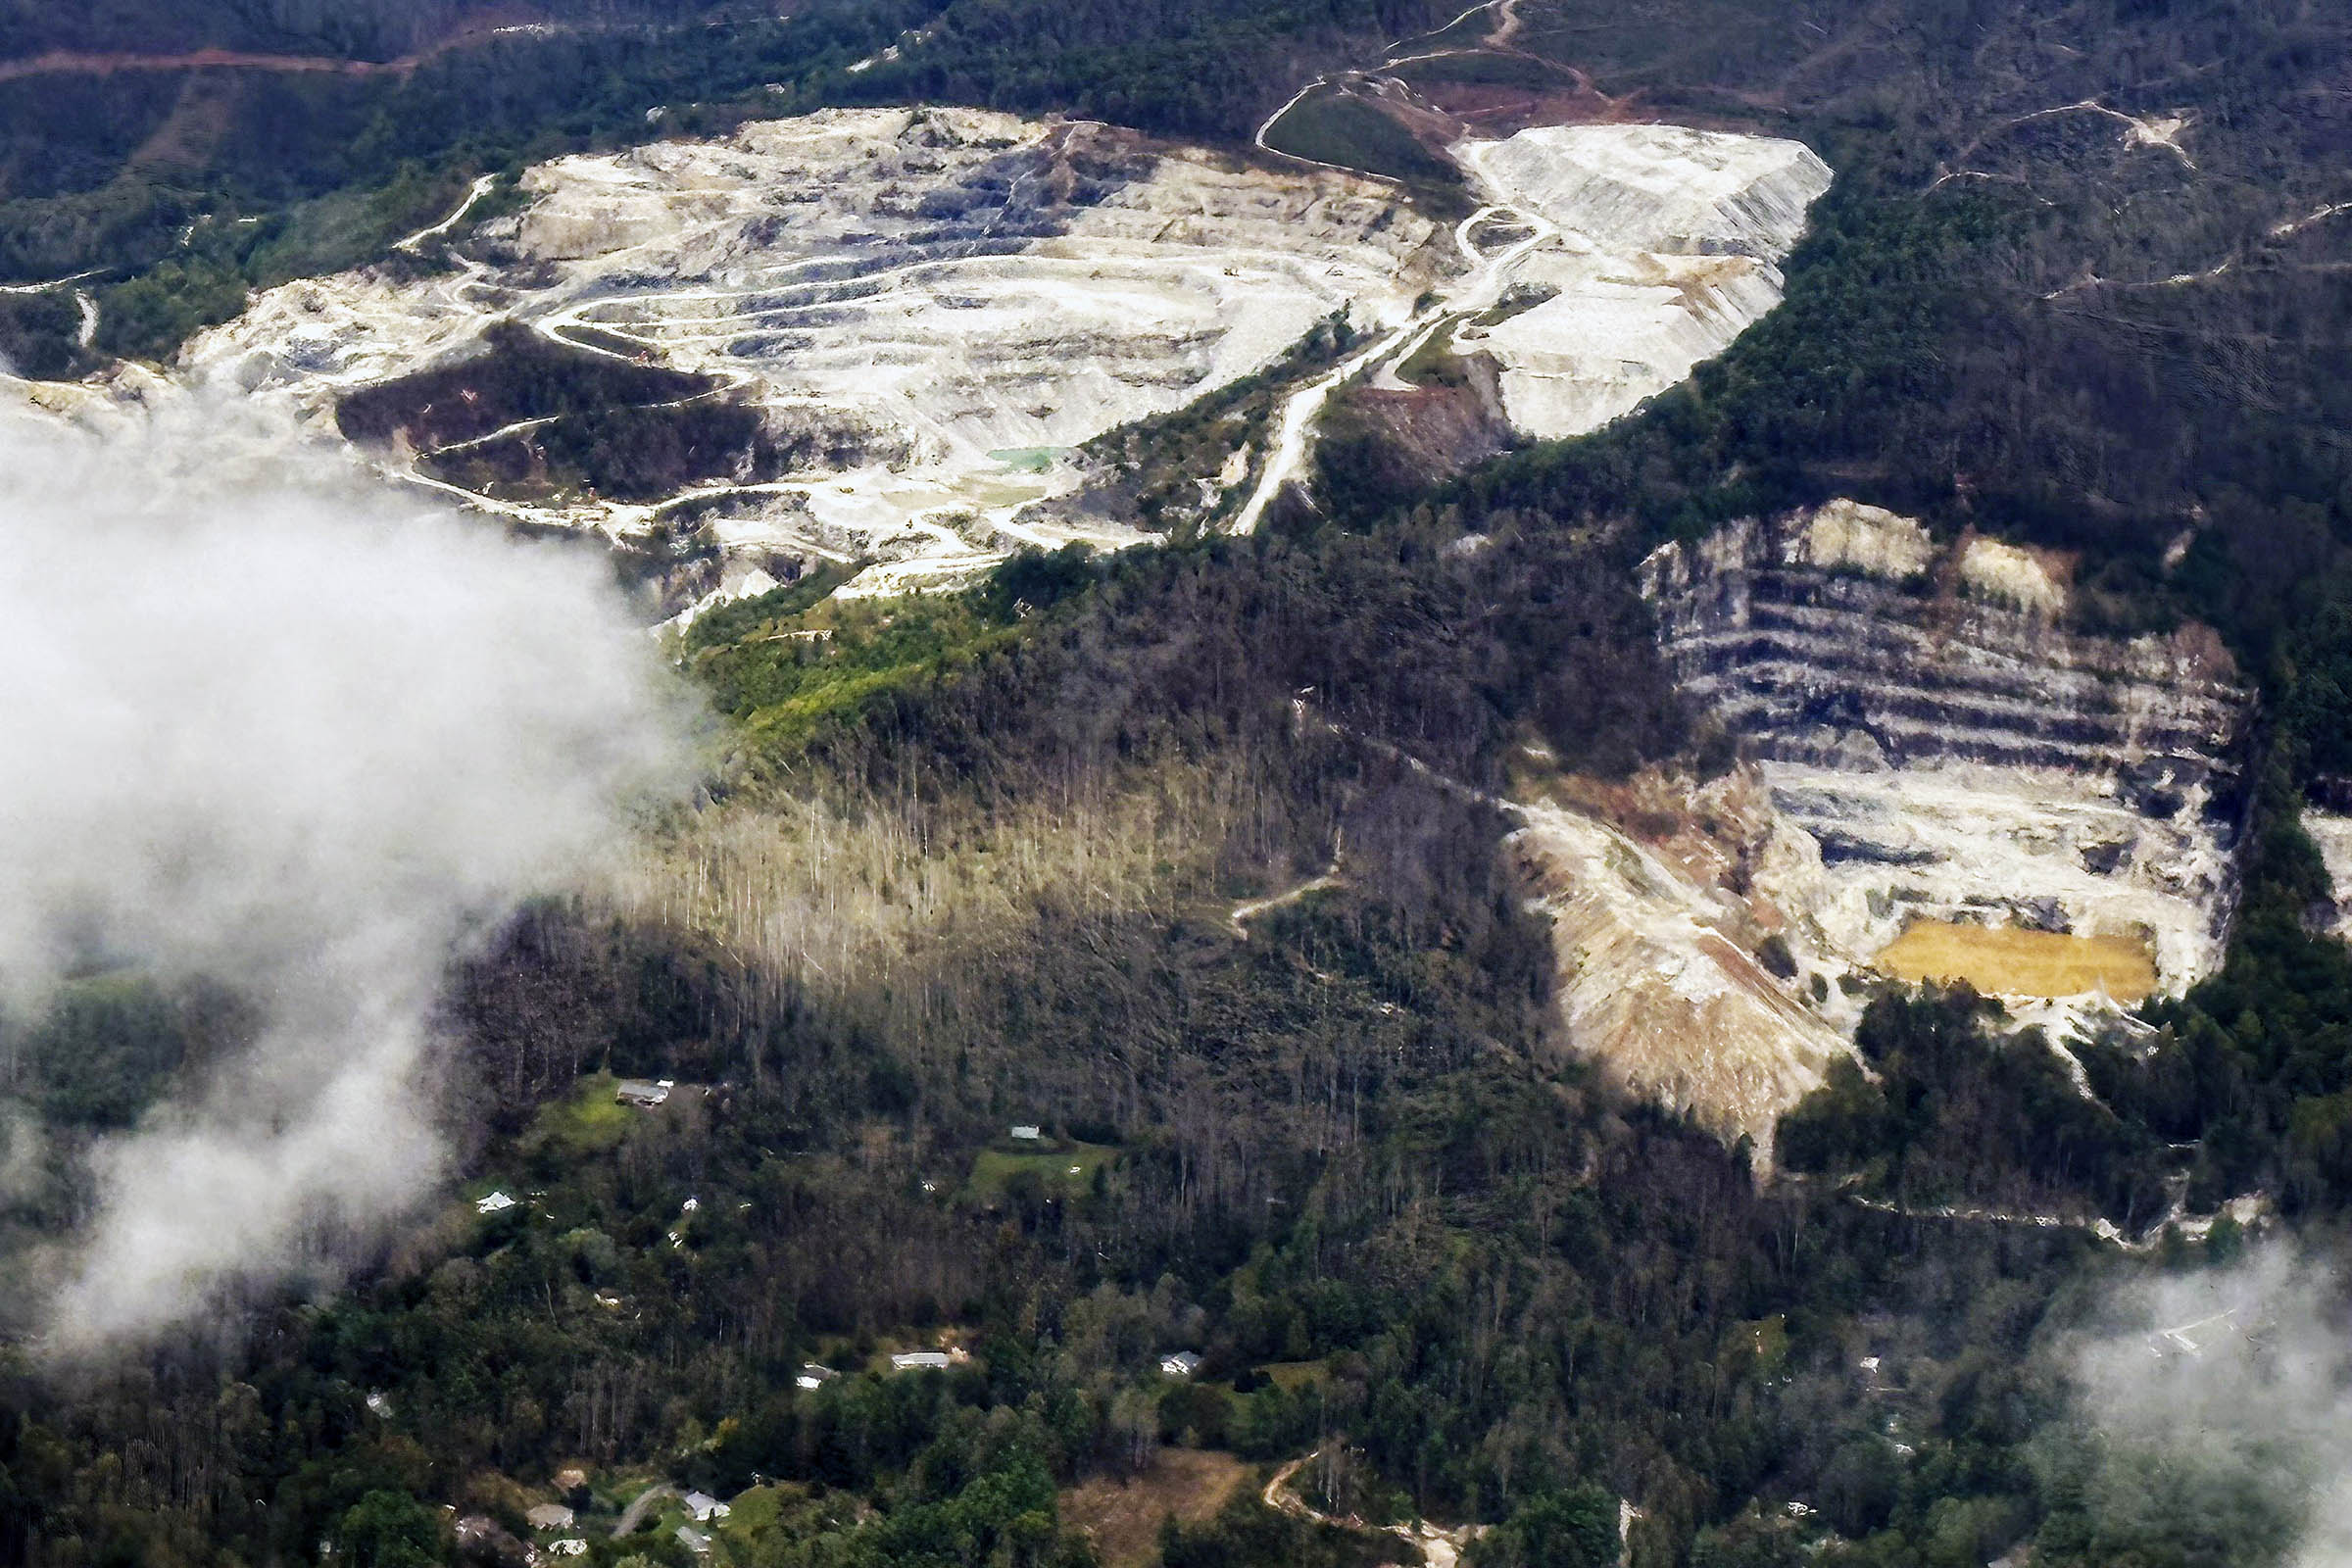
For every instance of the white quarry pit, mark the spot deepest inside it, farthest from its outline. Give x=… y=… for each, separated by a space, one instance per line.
x=929 y=289
x=1662 y=245
x=1926 y=745
x=1959 y=759
x=920 y=294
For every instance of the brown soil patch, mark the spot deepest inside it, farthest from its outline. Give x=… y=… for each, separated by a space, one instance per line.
x=1123 y=1517
x=2012 y=961
x=474 y=28
x=1500 y=109
x=194 y=129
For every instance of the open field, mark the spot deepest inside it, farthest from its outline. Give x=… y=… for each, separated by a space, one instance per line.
x=1344 y=132
x=1071 y=1168
x=1123 y=1517
x=2011 y=961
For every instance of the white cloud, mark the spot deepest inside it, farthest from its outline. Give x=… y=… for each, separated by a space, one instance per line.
x=265 y=724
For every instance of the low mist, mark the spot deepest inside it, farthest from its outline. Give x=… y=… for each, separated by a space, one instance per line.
x=270 y=727
x=2228 y=1414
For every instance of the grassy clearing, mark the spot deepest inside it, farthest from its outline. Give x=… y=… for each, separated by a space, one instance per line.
x=1341 y=129
x=1122 y=1517
x=1068 y=1169
x=2011 y=961
x=590 y=1121
x=1292 y=1376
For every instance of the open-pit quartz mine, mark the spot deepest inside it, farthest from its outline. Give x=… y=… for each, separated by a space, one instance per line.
x=1648 y=249
x=1963 y=763
x=879 y=337
x=926 y=309
x=1943 y=783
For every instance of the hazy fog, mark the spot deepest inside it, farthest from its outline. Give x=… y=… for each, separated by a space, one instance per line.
x=266 y=723
x=2251 y=1426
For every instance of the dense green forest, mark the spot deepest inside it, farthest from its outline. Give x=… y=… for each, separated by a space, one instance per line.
x=1339 y=1152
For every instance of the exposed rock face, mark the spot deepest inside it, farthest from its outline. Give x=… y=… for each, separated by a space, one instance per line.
x=928 y=307
x=1664 y=245
x=2331 y=831
x=1928 y=751
x=1955 y=755
x=1663 y=188
x=1659 y=979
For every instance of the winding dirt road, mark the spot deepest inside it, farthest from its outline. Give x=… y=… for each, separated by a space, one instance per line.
x=1440 y=1547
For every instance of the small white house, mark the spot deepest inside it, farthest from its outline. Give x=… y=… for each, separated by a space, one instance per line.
x=919 y=1360
x=642 y=1094
x=705 y=1507
x=1026 y=1133
x=568 y=1547
x=1180 y=1364
x=494 y=1203
x=813 y=1376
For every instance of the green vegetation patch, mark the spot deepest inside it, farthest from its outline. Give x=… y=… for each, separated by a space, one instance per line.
x=1067 y=1169
x=1339 y=128
x=785 y=675
x=589 y=1121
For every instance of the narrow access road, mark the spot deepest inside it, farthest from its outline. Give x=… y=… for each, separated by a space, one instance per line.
x=1244 y=913
x=481 y=188
x=1440 y=1547
x=634 y=1514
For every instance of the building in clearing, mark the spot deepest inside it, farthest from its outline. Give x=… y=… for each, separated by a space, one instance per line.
x=641 y=1094
x=549 y=1516
x=1180 y=1364
x=568 y=1547
x=705 y=1507
x=813 y=1376
x=918 y=1360
x=1025 y=1133
x=494 y=1203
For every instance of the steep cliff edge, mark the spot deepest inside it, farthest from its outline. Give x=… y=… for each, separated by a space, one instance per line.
x=1956 y=753
x=1941 y=781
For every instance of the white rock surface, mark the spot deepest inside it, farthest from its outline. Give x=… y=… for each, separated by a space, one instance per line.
x=934 y=296
x=1661 y=189
x=1661 y=244
x=1846 y=535
x=2333 y=833
x=2008 y=575
x=936 y=287
x=1652 y=987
